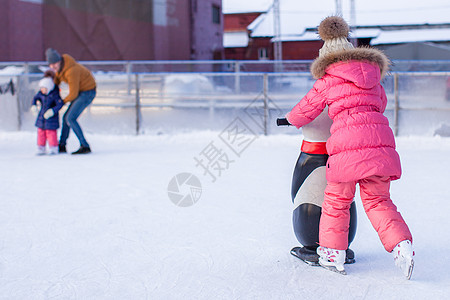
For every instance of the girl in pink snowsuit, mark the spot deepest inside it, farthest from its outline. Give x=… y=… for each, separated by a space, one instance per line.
x=361 y=147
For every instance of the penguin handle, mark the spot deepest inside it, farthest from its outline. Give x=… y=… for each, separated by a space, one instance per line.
x=283 y=122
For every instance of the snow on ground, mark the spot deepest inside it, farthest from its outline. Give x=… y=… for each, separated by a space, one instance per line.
x=101 y=226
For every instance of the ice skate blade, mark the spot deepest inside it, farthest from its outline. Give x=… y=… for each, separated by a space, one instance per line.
x=309 y=263
x=410 y=270
x=333 y=269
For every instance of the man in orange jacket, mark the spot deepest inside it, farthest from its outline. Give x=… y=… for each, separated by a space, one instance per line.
x=82 y=91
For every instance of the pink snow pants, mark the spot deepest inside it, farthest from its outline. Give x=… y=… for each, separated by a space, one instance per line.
x=45 y=135
x=382 y=213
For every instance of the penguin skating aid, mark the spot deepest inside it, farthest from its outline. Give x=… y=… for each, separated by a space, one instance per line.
x=308 y=185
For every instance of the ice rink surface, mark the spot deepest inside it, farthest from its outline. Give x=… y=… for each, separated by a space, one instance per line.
x=102 y=226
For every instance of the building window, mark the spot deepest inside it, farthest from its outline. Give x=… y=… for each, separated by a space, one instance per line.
x=262 y=54
x=216 y=14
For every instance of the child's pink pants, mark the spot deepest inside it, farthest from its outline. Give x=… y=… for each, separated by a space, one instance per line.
x=382 y=213
x=44 y=135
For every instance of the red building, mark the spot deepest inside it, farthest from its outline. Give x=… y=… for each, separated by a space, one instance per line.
x=112 y=30
x=236 y=36
x=239 y=21
x=294 y=50
x=240 y=45
x=21 y=34
x=300 y=41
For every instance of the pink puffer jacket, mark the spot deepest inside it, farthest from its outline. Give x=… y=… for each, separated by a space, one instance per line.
x=362 y=143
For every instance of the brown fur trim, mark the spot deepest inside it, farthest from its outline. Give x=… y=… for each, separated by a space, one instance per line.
x=333 y=27
x=363 y=54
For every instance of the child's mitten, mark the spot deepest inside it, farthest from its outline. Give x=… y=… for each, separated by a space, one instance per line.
x=48 y=114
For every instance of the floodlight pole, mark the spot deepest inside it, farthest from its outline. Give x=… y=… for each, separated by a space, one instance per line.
x=338 y=8
x=354 y=39
x=278 y=51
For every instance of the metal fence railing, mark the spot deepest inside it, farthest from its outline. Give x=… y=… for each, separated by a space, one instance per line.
x=135 y=102
x=207 y=66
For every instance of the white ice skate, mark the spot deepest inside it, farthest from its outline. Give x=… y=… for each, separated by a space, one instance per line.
x=403 y=257
x=54 y=150
x=41 y=150
x=332 y=259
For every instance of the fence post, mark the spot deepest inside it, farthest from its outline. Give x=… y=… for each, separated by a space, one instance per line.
x=25 y=81
x=128 y=67
x=19 y=111
x=138 y=106
x=237 y=78
x=266 y=102
x=396 y=104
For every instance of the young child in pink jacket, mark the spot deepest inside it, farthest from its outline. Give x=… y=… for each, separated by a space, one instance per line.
x=361 y=147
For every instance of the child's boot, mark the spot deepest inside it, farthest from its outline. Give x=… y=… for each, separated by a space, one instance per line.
x=403 y=257
x=332 y=259
x=41 y=150
x=54 y=150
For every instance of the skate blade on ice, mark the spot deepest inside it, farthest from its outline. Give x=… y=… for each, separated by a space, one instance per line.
x=333 y=269
x=311 y=258
x=409 y=269
x=407 y=266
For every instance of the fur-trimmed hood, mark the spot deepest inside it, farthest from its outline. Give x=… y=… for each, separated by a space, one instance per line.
x=373 y=55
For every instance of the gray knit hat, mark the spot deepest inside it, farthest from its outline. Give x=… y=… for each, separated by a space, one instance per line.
x=52 y=56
